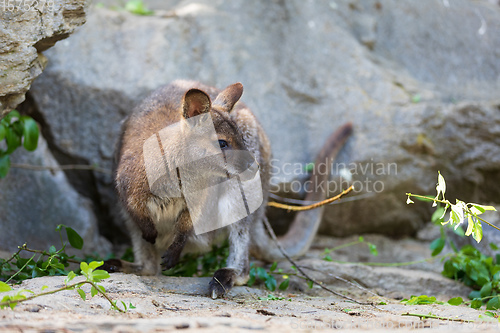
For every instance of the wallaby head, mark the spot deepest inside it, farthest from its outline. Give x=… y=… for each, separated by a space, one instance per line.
x=212 y=143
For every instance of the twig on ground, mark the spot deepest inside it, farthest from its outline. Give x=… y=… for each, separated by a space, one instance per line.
x=313 y=206
x=275 y=239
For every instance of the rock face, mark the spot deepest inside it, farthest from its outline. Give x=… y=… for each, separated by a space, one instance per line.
x=26 y=29
x=42 y=200
x=419 y=81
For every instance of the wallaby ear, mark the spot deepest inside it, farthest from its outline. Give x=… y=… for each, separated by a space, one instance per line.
x=229 y=96
x=195 y=102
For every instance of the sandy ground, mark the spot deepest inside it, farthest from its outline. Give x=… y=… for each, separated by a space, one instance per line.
x=169 y=303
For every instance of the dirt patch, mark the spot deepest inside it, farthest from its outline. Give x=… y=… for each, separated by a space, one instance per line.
x=170 y=303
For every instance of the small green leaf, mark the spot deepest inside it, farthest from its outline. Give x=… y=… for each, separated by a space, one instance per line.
x=4 y=287
x=13 y=140
x=84 y=267
x=4 y=165
x=44 y=287
x=479 y=209
x=437 y=246
x=94 y=264
x=310 y=284
x=101 y=288
x=137 y=7
x=457 y=213
x=131 y=306
x=493 y=304
x=52 y=250
x=74 y=238
x=271 y=297
x=251 y=280
x=438 y=214
x=456 y=301
x=490 y=314
x=416 y=98
x=485 y=290
x=284 y=284
x=476 y=303
x=458 y=230
x=261 y=273
x=12 y=114
x=470 y=225
x=273 y=266
x=82 y=294
x=30 y=132
x=3 y=131
x=93 y=291
x=71 y=276
x=478 y=232
x=493 y=246
x=422 y=299
x=100 y=275
x=373 y=249
x=270 y=283
x=440 y=188
x=309 y=167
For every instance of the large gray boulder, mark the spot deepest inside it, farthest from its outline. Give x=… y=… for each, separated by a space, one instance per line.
x=28 y=28
x=34 y=202
x=419 y=81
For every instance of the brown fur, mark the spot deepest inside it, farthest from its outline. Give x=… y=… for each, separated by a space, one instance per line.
x=162 y=226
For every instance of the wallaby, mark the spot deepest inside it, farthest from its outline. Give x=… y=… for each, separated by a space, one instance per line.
x=159 y=222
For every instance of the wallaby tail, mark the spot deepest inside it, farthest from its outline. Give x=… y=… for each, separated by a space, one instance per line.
x=301 y=233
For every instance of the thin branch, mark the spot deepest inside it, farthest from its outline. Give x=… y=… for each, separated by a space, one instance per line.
x=275 y=239
x=344 y=280
x=430 y=316
x=25 y=248
x=313 y=206
x=62 y=167
x=488 y=223
x=68 y=287
x=21 y=269
x=19 y=249
x=307 y=202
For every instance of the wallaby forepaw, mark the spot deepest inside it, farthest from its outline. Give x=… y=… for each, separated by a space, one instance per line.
x=112 y=266
x=169 y=261
x=222 y=282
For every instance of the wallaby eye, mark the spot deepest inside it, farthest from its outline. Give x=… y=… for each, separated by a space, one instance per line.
x=223 y=144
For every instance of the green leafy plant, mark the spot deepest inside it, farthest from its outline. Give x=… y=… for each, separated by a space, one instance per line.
x=271 y=297
x=137 y=7
x=92 y=277
x=468 y=265
x=16 y=130
x=201 y=265
x=49 y=263
x=424 y=299
x=260 y=274
x=458 y=211
x=479 y=272
x=55 y=263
